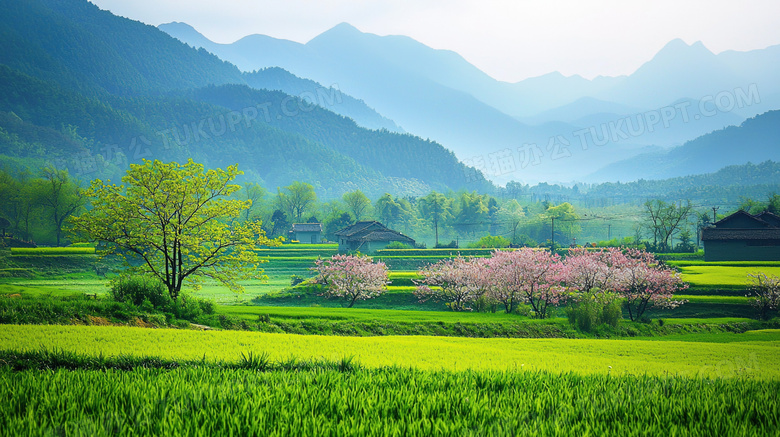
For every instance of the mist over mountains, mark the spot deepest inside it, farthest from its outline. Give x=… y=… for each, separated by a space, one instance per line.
x=439 y=95
x=86 y=90
x=350 y=109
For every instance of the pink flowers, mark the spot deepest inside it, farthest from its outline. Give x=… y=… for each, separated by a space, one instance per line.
x=634 y=275
x=530 y=276
x=352 y=277
x=523 y=276
x=539 y=279
x=643 y=282
x=460 y=281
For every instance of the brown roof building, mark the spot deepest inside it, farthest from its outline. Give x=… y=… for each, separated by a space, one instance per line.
x=368 y=236
x=743 y=237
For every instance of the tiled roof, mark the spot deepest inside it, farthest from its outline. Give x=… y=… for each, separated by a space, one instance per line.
x=358 y=227
x=371 y=231
x=770 y=218
x=744 y=226
x=386 y=236
x=715 y=234
x=307 y=227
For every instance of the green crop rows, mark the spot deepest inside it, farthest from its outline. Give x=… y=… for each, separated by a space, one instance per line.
x=236 y=383
x=388 y=401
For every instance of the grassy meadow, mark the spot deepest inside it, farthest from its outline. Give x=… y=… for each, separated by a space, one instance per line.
x=285 y=360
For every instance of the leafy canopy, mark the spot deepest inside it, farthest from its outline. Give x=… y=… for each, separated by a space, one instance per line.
x=176 y=223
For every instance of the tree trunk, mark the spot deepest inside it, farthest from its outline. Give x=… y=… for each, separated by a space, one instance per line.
x=436 y=229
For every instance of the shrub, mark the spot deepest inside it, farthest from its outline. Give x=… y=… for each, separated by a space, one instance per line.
x=451 y=245
x=295 y=280
x=186 y=307
x=764 y=293
x=137 y=289
x=490 y=241
x=590 y=313
x=485 y=304
x=150 y=296
x=207 y=306
x=398 y=245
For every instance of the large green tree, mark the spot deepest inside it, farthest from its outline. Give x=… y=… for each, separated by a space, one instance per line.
x=255 y=193
x=59 y=196
x=296 y=199
x=472 y=213
x=437 y=208
x=176 y=222
x=357 y=203
x=512 y=214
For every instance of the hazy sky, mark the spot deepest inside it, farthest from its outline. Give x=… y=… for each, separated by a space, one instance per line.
x=508 y=39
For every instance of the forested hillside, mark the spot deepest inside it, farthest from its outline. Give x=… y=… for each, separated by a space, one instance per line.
x=397 y=155
x=275 y=78
x=73 y=42
x=88 y=91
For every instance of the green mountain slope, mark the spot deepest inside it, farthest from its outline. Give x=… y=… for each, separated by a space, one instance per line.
x=93 y=92
x=396 y=155
x=75 y=43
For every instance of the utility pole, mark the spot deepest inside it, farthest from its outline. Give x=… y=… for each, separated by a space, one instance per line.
x=609 y=231
x=714 y=217
x=552 y=237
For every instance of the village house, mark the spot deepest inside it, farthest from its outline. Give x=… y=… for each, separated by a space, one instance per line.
x=307 y=232
x=743 y=237
x=368 y=236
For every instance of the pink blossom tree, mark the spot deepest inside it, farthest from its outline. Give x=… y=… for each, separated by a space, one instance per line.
x=352 y=277
x=528 y=276
x=765 y=292
x=587 y=272
x=643 y=282
x=590 y=278
x=503 y=281
x=458 y=281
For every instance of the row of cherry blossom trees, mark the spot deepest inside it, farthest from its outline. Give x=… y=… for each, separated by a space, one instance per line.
x=540 y=279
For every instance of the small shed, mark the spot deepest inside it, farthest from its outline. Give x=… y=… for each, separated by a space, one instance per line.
x=369 y=236
x=307 y=232
x=743 y=237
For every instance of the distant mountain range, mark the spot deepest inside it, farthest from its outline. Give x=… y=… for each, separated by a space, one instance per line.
x=437 y=94
x=757 y=139
x=84 y=89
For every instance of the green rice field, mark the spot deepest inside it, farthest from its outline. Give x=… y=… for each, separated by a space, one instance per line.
x=722 y=276
x=381 y=402
x=750 y=358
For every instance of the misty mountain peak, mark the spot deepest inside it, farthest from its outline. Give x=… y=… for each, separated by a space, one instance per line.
x=338 y=32
x=185 y=33
x=179 y=25
x=677 y=49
